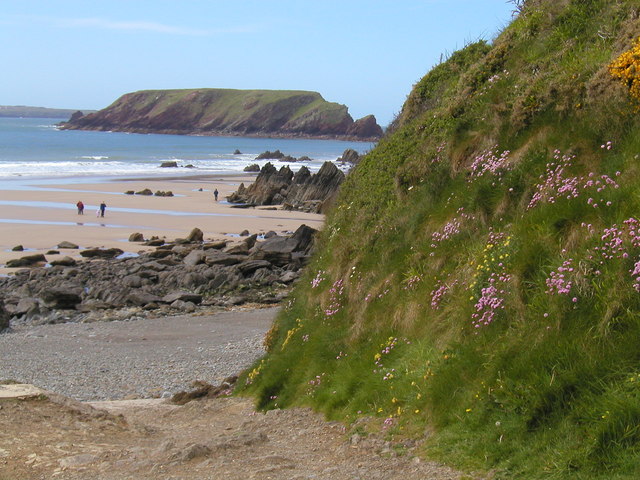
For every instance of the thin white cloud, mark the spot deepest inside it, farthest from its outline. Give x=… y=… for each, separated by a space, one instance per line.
x=135 y=26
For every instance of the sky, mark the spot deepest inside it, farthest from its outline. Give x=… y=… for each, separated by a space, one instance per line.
x=367 y=55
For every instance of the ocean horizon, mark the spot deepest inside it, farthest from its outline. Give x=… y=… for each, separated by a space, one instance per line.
x=34 y=149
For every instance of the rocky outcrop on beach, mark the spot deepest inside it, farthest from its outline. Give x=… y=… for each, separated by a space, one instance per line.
x=212 y=111
x=300 y=191
x=177 y=276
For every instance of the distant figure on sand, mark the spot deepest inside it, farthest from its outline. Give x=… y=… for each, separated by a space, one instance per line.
x=215 y=194
x=80 y=206
x=103 y=207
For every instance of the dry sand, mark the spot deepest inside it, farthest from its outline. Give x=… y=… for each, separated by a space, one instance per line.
x=40 y=217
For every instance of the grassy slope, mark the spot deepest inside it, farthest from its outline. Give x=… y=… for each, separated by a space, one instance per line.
x=445 y=304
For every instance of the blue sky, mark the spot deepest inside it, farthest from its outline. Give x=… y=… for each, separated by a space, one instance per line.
x=364 y=54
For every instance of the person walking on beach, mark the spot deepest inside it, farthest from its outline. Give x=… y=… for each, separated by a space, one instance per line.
x=103 y=207
x=215 y=194
x=80 y=206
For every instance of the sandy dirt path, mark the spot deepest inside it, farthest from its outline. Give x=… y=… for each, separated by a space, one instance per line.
x=223 y=438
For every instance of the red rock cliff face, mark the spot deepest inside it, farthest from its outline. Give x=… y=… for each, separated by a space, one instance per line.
x=229 y=112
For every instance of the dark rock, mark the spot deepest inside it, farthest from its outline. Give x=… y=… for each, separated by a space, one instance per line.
x=68 y=245
x=64 y=262
x=196 y=235
x=4 y=318
x=155 y=242
x=28 y=261
x=194 y=258
x=215 y=245
x=189 y=166
x=146 y=192
x=223 y=259
x=160 y=253
x=53 y=252
x=161 y=193
x=350 y=156
x=183 y=296
x=132 y=281
x=136 y=237
x=267 y=155
x=129 y=192
x=26 y=306
x=77 y=115
x=101 y=253
x=237 y=152
x=252 y=168
x=168 y=164
x=141 y=298
x=251 y=266
x=60 y=298
x=244 y=233
x=302 y=191
x=270 y=234
x=18 y=248
x=238 y=249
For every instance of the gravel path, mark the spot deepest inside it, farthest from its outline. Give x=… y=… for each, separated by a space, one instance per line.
x=136 y=358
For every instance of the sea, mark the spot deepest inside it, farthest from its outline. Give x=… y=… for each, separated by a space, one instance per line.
x=35 y=149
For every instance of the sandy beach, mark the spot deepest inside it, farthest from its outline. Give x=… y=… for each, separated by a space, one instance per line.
x=39 y=217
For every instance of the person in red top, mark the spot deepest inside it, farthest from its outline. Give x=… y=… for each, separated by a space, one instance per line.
x=80 y=206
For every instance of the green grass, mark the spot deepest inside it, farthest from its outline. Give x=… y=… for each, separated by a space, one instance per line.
x=550 y=387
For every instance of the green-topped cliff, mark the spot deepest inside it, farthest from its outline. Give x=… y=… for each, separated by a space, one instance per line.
x=477 y=285
x=212 y=111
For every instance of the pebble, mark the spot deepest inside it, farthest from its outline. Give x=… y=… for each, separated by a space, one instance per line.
x=145 y=358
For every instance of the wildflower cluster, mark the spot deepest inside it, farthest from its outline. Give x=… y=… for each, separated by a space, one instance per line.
x=450 y=229
x=492 y=277
x=557 y=282
x=254 y=373
x=439 y=149
x=411 y=282
x=335 y=302
x=292 y=332
x=438 y=293
x=491 y=162
x=555 y=184
x=626 y=68
x=314 y=383
x=317 y=280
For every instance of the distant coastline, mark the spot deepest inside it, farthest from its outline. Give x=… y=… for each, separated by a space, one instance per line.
x=23 y=111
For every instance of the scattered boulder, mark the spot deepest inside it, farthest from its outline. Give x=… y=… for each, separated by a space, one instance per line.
x=18 y=248
x=179 y=277
x=161 y=193
x=136 y=237
x=145 y=192
x=182 y=296
x=169 y=165
x=64 y=262
x=141 y=298
x=350 y=156
x=60 y=298
x=129 y=192
x=37 y=259
x=237 y=152
x=68 y=245
x=101 y=253
x=254 y=167
x=196 y=235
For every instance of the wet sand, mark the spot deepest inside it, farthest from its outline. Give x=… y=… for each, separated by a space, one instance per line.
x=39 y=217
